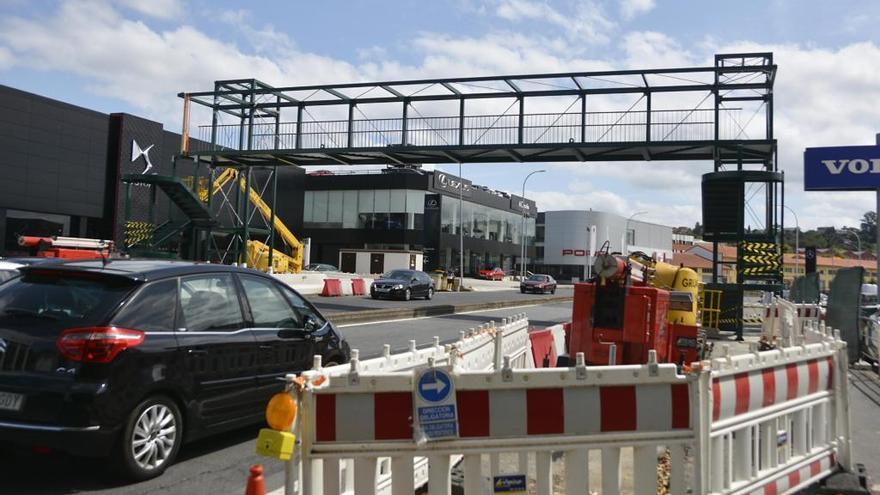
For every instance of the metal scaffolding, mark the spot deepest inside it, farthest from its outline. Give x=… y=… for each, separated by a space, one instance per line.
x=652 y=114
x=722 y=113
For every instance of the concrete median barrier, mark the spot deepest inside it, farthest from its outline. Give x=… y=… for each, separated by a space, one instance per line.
x=370 y=315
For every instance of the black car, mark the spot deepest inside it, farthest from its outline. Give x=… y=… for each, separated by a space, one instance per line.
x=538 y=283
x=129 y=359
x=403 y=284
x=320 y=267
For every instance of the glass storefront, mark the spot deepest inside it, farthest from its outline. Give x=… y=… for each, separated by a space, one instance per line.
x=484 y=222
x=375 y=209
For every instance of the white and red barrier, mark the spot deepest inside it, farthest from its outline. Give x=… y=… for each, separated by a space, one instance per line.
x=784 y=322
x=761 y=422
x=507 y=410
x=478 y=348
x=779 y=418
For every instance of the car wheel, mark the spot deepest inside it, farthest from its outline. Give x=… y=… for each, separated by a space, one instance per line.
x=151 y=438
x=553 y=290
x=407 y=294
x=522 y=291
x=374 y=295
x=430 y=294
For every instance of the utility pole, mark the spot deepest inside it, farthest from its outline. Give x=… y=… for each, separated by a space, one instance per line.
x=522 y=231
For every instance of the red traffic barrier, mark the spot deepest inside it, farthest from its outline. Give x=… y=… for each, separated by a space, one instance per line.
x=256 y=485
x=332 y=287
x=542 y=348
x=358 y=287
x=567 y=328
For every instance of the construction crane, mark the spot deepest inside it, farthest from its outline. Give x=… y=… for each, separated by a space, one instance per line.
x=258 y=252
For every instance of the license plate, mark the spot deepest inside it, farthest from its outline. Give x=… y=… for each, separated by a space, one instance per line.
x=10 y=401
x=381 y=289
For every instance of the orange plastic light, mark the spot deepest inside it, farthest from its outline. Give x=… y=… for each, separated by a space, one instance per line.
x=281 y=411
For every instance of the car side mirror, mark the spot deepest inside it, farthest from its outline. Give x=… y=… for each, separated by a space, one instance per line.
x=310 y=324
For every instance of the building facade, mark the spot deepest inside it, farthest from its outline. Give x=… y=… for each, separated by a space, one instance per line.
x=567 y=240
x=62 y=164
x=411 y=209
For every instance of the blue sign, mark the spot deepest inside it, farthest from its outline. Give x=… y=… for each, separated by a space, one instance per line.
x=842 y=168
x=435 y=385
x=511 y=483
x=435 y=405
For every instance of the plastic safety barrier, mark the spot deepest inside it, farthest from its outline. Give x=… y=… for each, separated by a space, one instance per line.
x=543 y=353
x=779 y=418
x=332 y=287
x=784 y=322
x=358 y=287
x=478 y=348
x=761 y=422
x=535 y=412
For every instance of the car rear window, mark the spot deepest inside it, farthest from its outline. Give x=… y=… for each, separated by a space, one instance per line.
x=68 y=298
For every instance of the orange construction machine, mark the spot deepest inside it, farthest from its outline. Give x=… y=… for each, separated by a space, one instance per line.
x=634 y=305
x=70 y=248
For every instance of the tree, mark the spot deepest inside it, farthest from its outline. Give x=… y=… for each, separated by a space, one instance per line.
x=698 y=230
x=869 y=226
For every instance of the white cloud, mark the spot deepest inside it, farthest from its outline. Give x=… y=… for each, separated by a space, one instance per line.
x=632 y=8
x=160 y=9
x=588 y=23
x=823 y=96
x=6 y=58
x=650 y=49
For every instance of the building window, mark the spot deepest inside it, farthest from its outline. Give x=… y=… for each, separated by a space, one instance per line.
x=631 y=237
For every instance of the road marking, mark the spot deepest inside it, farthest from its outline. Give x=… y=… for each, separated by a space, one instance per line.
x=442 y=316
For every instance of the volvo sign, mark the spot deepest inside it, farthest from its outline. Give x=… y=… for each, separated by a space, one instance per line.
x=842 y=168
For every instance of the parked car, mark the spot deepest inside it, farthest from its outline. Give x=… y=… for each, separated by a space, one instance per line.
x=538 y=283
x=129 y=359
x=492 y=274
x=320 y=267
x=8 y=270
x=403 y=284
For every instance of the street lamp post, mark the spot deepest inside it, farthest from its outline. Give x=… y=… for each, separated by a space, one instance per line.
x=797 y=248
x=625 y=242
x=858 y=240
x=460 y=229
x=522 y=230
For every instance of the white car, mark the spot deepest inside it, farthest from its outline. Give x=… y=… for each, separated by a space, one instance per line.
x=8 y=270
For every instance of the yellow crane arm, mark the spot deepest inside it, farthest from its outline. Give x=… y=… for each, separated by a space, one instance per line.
x=286 y=235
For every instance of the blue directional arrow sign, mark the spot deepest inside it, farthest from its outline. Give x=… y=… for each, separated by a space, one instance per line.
x=435 y=405
x=435 y=385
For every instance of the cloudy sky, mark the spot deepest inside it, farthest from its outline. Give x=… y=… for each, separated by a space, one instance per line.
x=136 y=55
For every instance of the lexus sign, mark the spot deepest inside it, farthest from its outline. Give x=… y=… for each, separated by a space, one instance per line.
x=452 y=184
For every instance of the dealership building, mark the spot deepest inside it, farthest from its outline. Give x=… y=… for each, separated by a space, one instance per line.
x=413 y=210
x=566 y=240
x=63 y=167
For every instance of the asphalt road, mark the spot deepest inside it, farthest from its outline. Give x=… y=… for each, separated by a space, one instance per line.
x=864 y=414
x=330 y=305
x=219 y=465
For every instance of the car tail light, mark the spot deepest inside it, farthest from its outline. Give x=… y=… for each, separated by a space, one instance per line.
x=97 y=344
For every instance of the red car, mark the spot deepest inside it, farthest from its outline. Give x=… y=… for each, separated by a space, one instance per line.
x=492 y=274
x=541 y=284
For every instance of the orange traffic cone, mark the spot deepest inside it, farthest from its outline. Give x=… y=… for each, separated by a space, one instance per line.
x=255 y=483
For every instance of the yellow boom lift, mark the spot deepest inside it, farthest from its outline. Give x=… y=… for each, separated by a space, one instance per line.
x=258 y=252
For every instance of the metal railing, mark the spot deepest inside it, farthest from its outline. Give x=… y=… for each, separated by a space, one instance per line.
x=475 y=130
